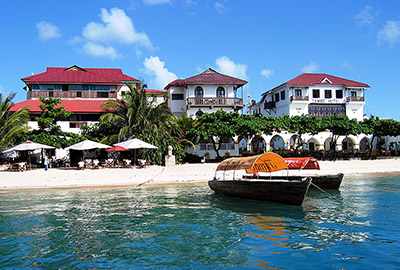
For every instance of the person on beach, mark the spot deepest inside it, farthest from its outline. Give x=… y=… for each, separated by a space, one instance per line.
x=46 y=163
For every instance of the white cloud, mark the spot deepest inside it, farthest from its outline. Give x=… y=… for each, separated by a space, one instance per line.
x=310 y=68
x=47 y=31
x=221 y=7
x=98 y=50
x=189 y=3
x=366 y=16
x=156 y=68
x=156 y=2
x=390 y=33
x=116 y=27
x=267 y=73
x=228 y=67
x=346 y=65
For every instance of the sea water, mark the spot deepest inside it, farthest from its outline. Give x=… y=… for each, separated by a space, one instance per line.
x=190 y=227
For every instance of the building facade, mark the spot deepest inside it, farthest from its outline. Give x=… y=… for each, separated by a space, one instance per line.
x=205 y=93
x=314 y=94
x=82 y=91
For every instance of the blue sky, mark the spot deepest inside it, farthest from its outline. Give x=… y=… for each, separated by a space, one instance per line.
x=264 y=42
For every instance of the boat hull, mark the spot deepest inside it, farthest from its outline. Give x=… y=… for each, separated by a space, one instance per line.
x=281 y=191
x=327 y=181
x=331 y=181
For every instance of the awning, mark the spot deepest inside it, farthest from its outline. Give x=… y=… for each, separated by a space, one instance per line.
x=268 y=162
x=302 y=163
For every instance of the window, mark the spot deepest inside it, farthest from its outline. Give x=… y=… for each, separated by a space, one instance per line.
x=51 y=94
x=177 y=96
x=282 y=95
x=65 y=87
x=339 y=93
x=328 y=93
x=35 y=87
x=315 y=93
x=199 y=92
x=297 y=92
x=220 y=92
x=276 y=97
x=353 y=93
x=102 y=94
x=78 y=94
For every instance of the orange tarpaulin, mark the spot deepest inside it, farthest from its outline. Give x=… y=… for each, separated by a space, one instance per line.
x=302 y=163
x=268 y=162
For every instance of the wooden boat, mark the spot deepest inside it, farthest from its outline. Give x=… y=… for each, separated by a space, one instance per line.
x=309 y=163
x=286 y=191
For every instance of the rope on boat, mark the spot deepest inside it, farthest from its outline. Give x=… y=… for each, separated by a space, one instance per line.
x=151 y=179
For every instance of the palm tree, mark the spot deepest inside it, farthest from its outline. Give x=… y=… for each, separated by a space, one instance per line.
x=136 y=112
x=11 y=124
x=187 y=125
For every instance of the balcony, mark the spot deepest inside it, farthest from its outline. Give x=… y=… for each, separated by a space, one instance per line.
x=72 y=94
x=212 y=102
x=299 y=98
x=269 y=105
x=359 y=99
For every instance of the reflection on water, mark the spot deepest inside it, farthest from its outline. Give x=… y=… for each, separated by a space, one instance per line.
x=191 y=227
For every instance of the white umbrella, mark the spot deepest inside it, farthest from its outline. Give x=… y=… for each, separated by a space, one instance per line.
x=28 y=146
x=135 y=144
x=87 y=145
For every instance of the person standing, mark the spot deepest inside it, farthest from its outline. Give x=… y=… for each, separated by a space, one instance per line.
x=46 y=163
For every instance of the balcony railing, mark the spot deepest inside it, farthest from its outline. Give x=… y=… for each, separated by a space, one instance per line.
x=348 y=99
x=71 y=94
x=214 y=102
x=299 y=98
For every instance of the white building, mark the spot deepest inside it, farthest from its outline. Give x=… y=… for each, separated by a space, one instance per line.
x=314 y=94
x=207 y=92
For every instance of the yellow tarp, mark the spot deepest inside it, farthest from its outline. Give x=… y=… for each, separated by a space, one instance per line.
x=268 y=162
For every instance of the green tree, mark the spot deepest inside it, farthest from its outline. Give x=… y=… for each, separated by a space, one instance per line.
x=139 y=115
x=186 y=125
x=51 y=114
x=379 y=128
x=12 y=124
x=301 y=125
x=216 y=126
x=135 y=113
x=340 y=125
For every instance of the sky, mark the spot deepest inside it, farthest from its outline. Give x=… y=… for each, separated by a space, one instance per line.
x=263 y=42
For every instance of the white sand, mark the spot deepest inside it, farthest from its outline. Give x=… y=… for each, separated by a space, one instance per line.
x=156 y=175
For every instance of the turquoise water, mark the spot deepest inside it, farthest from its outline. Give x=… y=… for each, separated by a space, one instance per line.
x=190 y=227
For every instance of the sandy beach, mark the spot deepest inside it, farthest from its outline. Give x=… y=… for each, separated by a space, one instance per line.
x=179 y=174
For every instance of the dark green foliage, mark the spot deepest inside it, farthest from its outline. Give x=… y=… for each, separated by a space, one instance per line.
x=61 y=140
x=11 y=124
x=50 y=114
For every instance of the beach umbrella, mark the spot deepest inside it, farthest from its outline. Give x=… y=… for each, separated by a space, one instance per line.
x=87 y=145
x=117 y=149
x=28 y=146
x=135 y=144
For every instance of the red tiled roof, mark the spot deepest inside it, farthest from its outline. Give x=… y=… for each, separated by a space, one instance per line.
x=76 y=74
x=308 y=79
x=155 y=91
x=209 y=76
x=70 y=105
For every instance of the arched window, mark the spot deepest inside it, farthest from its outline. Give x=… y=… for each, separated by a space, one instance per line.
x=220 y=95
x=220 y=92
x=199 y=92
